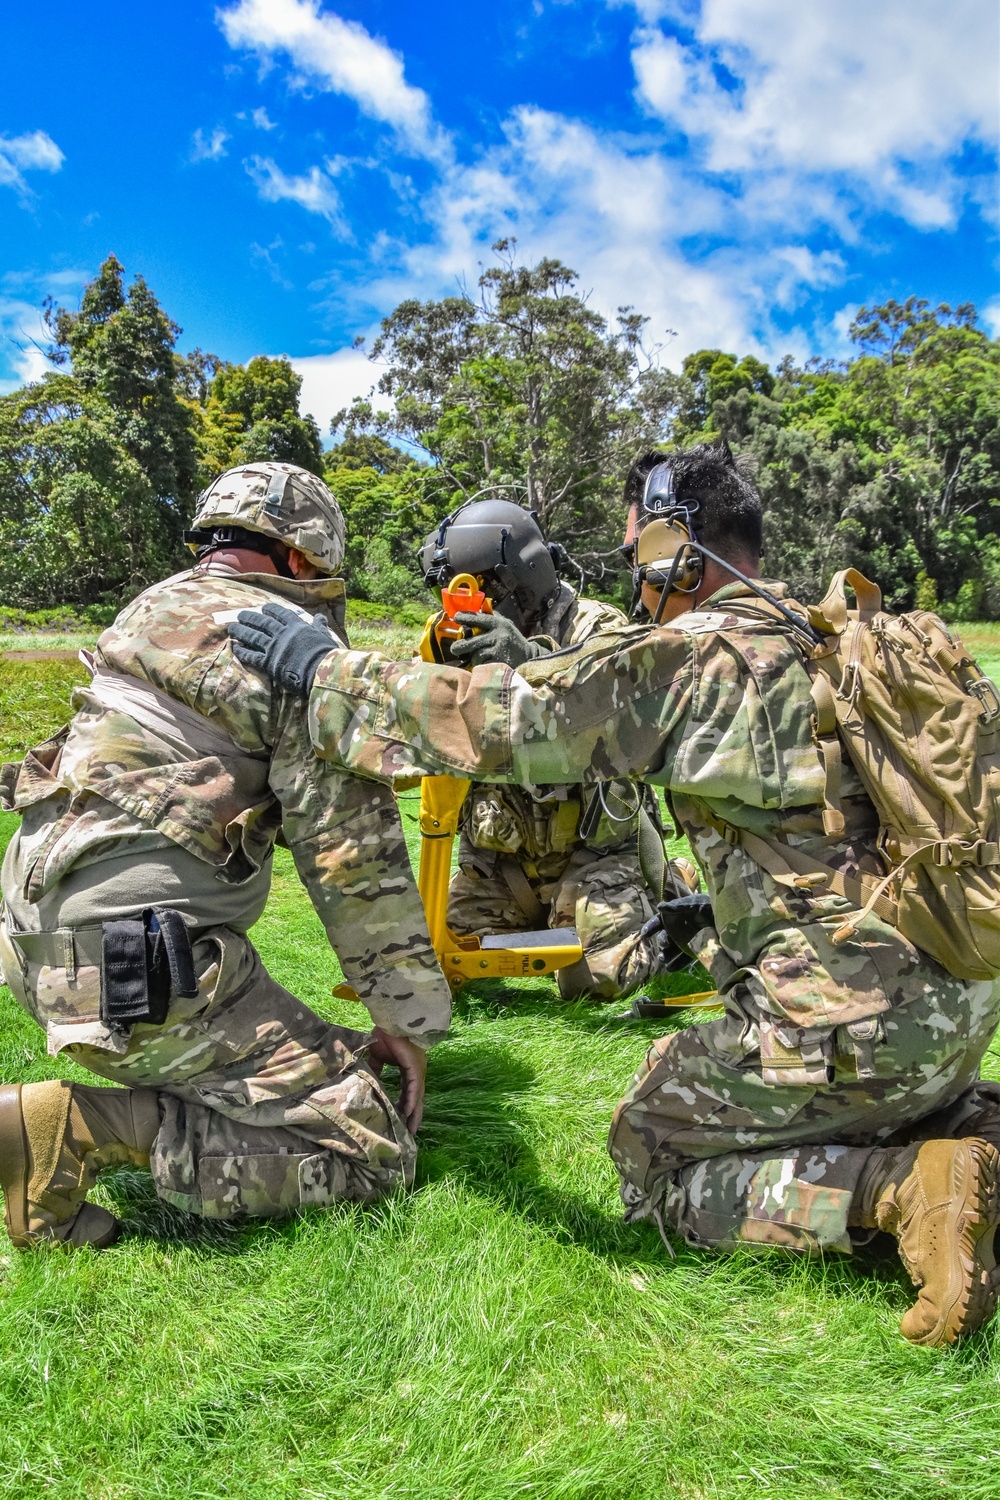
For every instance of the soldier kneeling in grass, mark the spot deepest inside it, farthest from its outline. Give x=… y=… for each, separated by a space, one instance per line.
x=835 y=773
x=590 y=858
x=142 y=860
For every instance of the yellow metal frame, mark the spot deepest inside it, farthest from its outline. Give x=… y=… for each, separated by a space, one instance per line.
x=501 y=956
x=464 y=958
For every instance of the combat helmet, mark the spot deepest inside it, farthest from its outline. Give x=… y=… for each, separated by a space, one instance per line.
x=503 y=545
x=277 y=502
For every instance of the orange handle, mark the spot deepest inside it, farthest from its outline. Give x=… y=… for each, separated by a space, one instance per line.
x=463 y=595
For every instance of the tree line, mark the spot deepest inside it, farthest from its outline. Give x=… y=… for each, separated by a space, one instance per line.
x=889 y=462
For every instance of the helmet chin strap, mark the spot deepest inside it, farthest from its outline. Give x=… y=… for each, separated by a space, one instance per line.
x=239 y=538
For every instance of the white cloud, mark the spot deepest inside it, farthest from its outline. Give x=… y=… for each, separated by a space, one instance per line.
x=36 y=152
x=619 y=214
x=261 y=119
x=209 y=148
x=312 y=191
x=23 y=338
x=783 y=129
x=991 y=317
x=331 y=381
x=883 y=94
x=805 y=270
x=343 y=57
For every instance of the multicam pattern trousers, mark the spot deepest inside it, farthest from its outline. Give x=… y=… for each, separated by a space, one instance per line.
x=264 y=1106
x=721 y=1156
x=602 y=895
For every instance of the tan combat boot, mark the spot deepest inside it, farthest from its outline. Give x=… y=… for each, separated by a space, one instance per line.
x=941 y=1200
x=682 y=877
x=54 y=1139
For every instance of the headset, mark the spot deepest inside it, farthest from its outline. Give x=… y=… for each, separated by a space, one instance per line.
x=668 y=555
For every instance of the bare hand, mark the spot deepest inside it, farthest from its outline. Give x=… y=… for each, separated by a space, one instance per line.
x=411 y=1060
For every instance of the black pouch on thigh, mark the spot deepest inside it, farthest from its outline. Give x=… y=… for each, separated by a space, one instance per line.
x=144 y=961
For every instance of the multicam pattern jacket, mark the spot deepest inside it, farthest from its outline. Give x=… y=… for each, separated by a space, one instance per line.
x=570 y=620
x=540 y=825
x=108 y=784
x=714 y=707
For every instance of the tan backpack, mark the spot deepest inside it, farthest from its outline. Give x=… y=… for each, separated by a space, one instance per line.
x=921 y=724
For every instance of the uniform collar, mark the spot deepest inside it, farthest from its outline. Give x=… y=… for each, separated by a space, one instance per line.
x=325 y=596
x=740 y=590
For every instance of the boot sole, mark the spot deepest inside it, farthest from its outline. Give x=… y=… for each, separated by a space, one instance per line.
x=14 y=1166
x=975 y=1300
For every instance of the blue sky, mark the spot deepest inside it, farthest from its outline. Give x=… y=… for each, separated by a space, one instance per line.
x=282 y=172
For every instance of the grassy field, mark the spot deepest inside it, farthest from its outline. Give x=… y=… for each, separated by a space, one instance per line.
x=497 y=1334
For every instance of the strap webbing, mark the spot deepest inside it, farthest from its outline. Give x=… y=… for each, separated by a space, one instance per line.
x=652 y=861
x=519 y=886
x=828 y=742
x=791 y=867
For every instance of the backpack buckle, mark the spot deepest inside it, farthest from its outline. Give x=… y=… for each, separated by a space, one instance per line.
x=947 y=852
x=989 y=698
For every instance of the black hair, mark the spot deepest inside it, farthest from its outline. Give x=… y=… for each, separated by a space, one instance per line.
x=729 y=518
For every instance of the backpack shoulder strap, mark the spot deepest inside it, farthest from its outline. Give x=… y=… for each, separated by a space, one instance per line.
x=828 y=744
x=799 y=871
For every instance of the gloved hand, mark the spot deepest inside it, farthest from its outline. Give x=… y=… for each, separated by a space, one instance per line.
x=499 y=641
x=682 y=918
x=281 y=645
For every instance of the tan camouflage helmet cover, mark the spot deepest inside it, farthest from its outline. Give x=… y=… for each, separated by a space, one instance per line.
x=282 y=501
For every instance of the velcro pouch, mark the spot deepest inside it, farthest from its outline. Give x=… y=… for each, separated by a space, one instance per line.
x=175 y=942
x=144 y=961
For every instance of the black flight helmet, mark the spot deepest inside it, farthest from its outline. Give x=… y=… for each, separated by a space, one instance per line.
x=501 y=544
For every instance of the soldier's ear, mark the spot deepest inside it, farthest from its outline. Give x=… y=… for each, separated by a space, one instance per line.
x=299 y=565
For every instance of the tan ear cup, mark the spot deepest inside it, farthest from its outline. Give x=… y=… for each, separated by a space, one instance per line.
x=657 y=548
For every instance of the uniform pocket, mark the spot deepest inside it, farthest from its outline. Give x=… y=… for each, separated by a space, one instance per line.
x=798 y=1056
x=263 y=1185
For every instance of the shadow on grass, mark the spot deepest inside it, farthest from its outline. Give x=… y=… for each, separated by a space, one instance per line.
x=477 y=1129
x=130 y=1195
x=477 y=1132
x=492 y=999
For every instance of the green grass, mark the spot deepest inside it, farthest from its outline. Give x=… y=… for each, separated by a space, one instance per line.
x=34 y=700
x=497 y=1334
x=47 y=640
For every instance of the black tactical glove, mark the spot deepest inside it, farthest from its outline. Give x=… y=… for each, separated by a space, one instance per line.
x=281 y=645
x=499 y=641
x=682 y=919
x=675 y=926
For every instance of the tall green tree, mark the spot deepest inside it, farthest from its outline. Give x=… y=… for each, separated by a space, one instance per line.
x=388 y=508
x=120 y=345
x=98 y=467
x=890 y=462
x=101 y=460
x=524 y=392
x=252 y=412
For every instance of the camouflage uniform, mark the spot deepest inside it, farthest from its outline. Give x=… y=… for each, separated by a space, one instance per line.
x=168 y=788
x=531 y=855
x=757 y=1126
